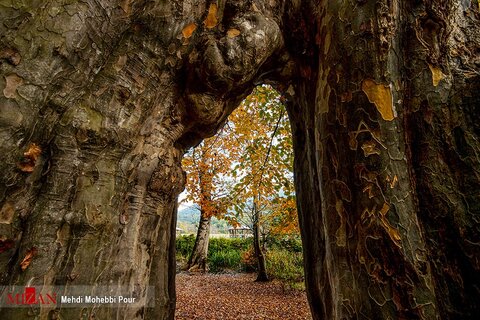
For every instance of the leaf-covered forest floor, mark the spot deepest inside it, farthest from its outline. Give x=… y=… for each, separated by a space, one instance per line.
x=236 y=296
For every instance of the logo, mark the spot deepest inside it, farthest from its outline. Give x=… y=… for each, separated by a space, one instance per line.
x=47 y=297
x=30 y=297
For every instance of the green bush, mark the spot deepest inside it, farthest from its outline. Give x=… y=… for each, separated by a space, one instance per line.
x=292 y=243
x=184 y=245
x=223 y=253
x=284 y=257
x=286 y=266
x=229 y=244
x=219 y=261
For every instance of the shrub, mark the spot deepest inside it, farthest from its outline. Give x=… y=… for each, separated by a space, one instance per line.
x=229 y=244
x=286 y=266
x=223 y=253
x=284 y=257
x=224 y=260
x=184 y=245
x=292 y=243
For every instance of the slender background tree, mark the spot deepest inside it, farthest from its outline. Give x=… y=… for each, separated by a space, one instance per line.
x=265 y=165
x=208 y=168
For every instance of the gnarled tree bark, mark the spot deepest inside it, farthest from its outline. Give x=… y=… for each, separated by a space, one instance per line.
x=99 y=100
x=383 y=144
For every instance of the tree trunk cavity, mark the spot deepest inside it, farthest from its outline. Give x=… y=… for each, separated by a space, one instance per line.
x=100 y=99
x=198 y=258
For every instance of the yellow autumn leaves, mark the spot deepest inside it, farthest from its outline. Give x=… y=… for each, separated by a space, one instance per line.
x=249 y=160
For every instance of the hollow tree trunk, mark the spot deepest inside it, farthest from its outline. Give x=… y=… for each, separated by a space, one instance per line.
x=198 y=258
x=97 y=205
x=257 y=247
x=99 y=99
x=387 y=166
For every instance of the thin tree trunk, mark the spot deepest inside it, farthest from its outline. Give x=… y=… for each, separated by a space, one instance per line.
x=259 y=253
x=198 y=258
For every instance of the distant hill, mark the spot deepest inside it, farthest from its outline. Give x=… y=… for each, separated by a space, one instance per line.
x=188 y=218
x=189 y=214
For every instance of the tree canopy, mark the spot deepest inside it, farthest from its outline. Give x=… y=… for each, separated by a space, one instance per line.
x=251 y=157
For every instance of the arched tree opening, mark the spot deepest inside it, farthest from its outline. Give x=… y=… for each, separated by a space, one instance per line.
x=243 y=173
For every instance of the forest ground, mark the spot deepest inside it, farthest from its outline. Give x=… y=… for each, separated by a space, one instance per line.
x=235 y=296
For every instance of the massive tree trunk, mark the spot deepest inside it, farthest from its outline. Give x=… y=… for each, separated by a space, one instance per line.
x=387 y=157
x=90 y=170
x=99 y=99
x=198 y=258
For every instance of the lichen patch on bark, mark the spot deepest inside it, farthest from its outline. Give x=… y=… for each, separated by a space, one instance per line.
x=11 y=55
x=211 y=21
x=28 y=258
x=392 y=232
x=437 y=75
x=121 y=62
x=232 y=33
x=27 y=164
x=6 y=213
x=392 y=182
x=381 y=96
x=12 y=82
x=189 y=30
x=369 y=148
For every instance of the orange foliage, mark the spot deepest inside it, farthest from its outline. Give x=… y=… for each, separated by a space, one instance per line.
x=249 y=160
x=207 y=167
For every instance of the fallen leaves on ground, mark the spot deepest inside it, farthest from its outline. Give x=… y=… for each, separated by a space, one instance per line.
x=236 y=296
